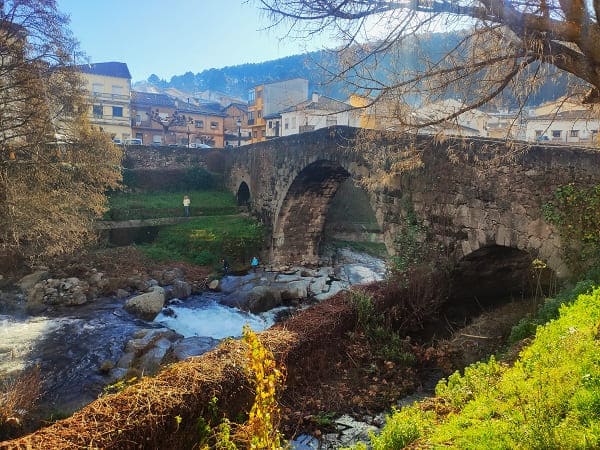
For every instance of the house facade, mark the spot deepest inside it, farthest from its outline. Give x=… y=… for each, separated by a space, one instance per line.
x=565 y=127
x=272 y=98
x=318 y=112
x=108 y=87
x=158 y=119
x=237 y=131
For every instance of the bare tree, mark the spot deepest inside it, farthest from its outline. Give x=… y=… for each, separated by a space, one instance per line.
x=502 y=45
x=54 y=168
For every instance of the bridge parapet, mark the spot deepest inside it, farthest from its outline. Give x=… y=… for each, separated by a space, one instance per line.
x=467 y=193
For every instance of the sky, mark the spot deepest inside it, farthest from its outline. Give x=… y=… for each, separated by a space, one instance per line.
x=171 y=37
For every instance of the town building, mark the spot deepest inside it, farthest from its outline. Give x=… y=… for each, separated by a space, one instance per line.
x=161 y=120
x=318 y=112
x=267 y=99
x=108 y=87
x=237 y=131
x=566 y=127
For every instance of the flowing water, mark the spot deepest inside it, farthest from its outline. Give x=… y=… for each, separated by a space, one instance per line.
x=70 y=344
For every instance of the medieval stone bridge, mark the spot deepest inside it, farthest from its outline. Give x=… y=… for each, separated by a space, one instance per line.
x=471 y=198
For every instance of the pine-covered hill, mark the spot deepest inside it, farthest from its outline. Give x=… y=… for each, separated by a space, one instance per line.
x=235 y=81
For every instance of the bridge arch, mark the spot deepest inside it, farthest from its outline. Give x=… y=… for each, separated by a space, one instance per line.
x=243 y=194
x=299 y=222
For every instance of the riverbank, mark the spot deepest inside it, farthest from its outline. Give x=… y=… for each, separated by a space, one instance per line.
x=336 y=370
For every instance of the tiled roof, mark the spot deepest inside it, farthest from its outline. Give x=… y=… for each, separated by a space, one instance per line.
x=242 y=106
x=109 y=69
x=151 y=99
x=211 y=109
x=577 y=114
x=323 y=103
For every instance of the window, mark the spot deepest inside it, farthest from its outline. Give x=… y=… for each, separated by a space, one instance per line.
x=117 y=111
x=259 y=114
x=199 y=123
x=97 y=88
x=139 y=136
x=556 y=133
x=157 y=139
x=258 y=94
x=251 y=96
x=286 y=124
x=538 y=133
x=97 y=111
x=574 y=133
x=214 y=125
x=255 y=135
x=117 y=91
x=270 y=124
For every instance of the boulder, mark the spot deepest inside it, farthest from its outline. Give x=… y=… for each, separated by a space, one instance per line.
x=263 y=298
x=192 y=346
x=29 y=281
x=214 y=285
x=122 y=293
x=148 y=305
x=181 y=289
x=319 y=285
x=169 y=276
x=295 y=290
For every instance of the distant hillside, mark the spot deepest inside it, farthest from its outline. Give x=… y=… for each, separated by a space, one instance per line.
x=235 y=81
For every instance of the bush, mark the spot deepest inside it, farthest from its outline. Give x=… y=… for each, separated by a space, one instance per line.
x=550 y=398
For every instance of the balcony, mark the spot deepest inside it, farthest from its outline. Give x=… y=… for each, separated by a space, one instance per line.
x=113 y=97
x=250 y=121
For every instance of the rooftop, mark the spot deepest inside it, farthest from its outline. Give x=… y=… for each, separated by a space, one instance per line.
x=108 y=69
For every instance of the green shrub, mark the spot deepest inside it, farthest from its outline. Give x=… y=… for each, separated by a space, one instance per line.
x=549 y=399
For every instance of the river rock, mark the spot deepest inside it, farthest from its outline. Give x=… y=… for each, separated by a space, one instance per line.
x=192 y=346
x=29 y=281
x=181 y=289
x=295 y=290
x=121 y=293
x=148 y=305
x=214 y=285
x=263 y=298
x=169 y=276
x=319 y=285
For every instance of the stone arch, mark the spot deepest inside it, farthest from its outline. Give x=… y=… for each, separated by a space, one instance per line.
x=243 y=194
x=299 y=223
x=495 y=273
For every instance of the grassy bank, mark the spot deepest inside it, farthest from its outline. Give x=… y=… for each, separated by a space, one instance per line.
x=205 y=240
x=127 y=206
x=549 y=398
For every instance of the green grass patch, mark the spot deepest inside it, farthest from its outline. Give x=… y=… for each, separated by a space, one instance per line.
x=128 y=206
x=206 y=240
x=549 y=399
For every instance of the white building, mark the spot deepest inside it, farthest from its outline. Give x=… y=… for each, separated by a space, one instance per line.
x=313 y=114
x=566 y=127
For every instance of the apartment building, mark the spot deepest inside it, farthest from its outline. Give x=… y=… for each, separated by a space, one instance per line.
x=272 y=98
x=317 y=112
x=158 y=119
x=108 y=86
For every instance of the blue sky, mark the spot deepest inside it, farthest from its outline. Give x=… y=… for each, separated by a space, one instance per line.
x=171 y=37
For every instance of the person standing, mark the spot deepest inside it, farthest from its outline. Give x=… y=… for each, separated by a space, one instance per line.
x=186 y=205
x=225 y=266
x=254 y=263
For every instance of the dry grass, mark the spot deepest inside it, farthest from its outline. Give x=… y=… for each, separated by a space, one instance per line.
x=18 y=397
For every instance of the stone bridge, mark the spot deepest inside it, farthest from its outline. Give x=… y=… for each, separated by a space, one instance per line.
x=474 y=199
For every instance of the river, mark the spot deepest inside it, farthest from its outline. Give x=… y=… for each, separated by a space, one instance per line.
x=70 y=344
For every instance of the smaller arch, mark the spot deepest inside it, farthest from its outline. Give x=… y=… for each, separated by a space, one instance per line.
x=495 y=274
x=243 y=194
